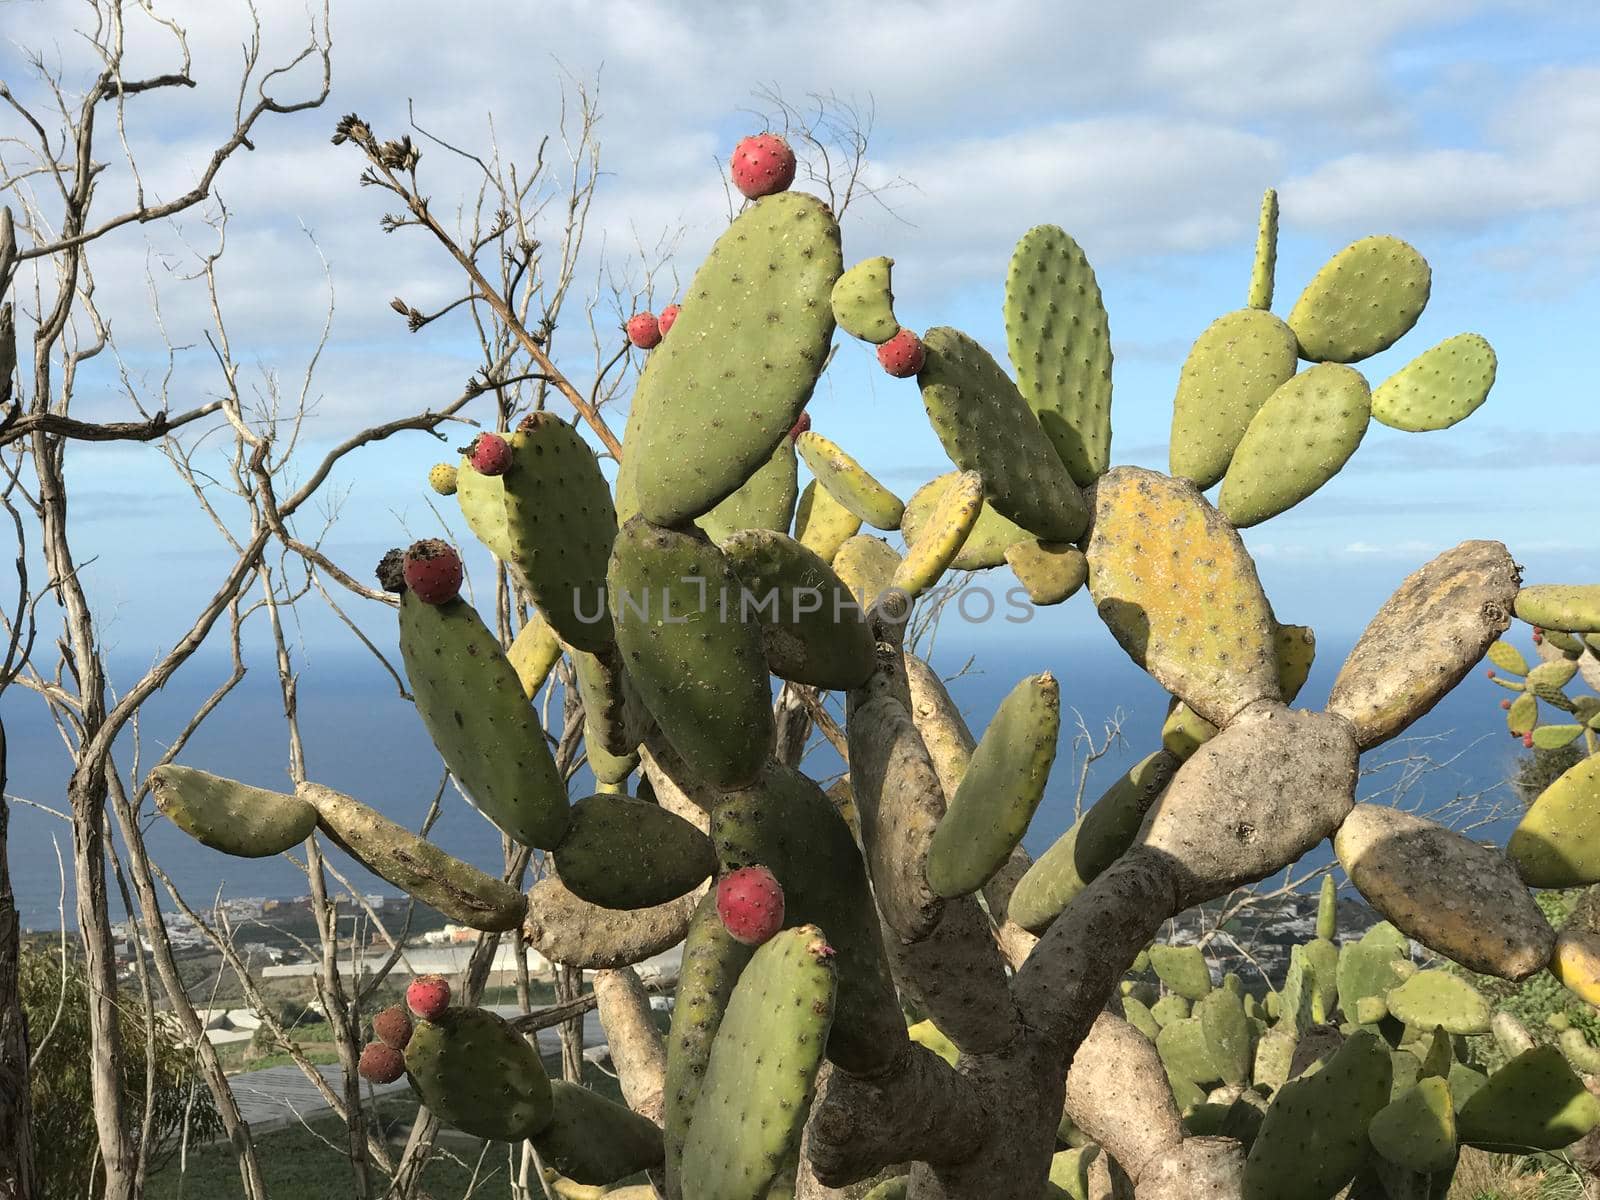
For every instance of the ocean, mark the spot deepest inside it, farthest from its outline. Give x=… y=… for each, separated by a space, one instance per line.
x=362 y=738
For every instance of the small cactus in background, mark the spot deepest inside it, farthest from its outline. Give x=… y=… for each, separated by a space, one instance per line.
x=904 y=886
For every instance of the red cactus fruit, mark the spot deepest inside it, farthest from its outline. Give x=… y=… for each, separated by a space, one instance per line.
x=1490 y=673
x=762 y=164
x=644 y=331
x=428 y=996
x=902 y=355
x=750 y=903
x=433 y=571
x=393 y=1026
x=669 y=314
x=1505 y=704
x=489 y=454
x=381 y=1063
x=1538 y=638
x=1527 y=741
x=803 y=425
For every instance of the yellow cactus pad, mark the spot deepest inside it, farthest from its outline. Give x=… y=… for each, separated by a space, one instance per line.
x=942 y=537
x=1576 y=963
x=1175 y=586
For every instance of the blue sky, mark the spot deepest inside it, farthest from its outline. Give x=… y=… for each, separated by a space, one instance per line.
x=1471 y=130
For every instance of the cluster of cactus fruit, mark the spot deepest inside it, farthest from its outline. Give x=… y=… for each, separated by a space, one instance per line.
x=682 y=589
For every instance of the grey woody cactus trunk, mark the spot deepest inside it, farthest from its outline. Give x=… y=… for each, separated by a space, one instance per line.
x=1042 y=1059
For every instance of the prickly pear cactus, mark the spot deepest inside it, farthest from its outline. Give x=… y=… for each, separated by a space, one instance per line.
x=917 y=1008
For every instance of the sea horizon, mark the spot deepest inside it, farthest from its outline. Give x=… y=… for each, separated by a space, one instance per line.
x=361 y=737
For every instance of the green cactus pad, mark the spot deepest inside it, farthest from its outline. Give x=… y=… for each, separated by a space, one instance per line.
x=1432 y=999
x=1579 y=1052
x=483 y=503
x=471 y=701
x=1573 y=608
x=1261 y=273
x=1070 y=1171
x=562 y=523
x=1534 y=1102
x=614 y=716
x=476 y=1073
x=711 y=963
x=1557 y=843
x=863 y=303
x=1162 y=565
x=1322 y=969
x=742 y=360
x=897 y=1188
x=1234 y=366
x=926 y=1033
x=698 y=666
x=1274 y=1056
x=1554 y=737
x=757 y=1089
x=987 y=540
x=1507 y=658
x=1523 y=715
x=1296 y=1001
x=533 y=653
x=1060 y=344
x=596 y=1141
x=1418 y=1129
x=986 y=426
x=1002 y=787
x=1186 y=1053
x=1186 y=1095
x=413 y=864
x=1313 y=1139
x=1327 y=909
x=850 y=483
x=1184 y=732
x=1171 y=1007
x=787 y=825
x=1297 y=650
x=625 y=853
x=1369 y=1010
x=942 y=535
x=1137 y=1013
x=1564 y=642
x=1453 y=895
x=1364 y=299
x=765 y=501
x=235 y=818
x=1439 y=387
x=866 y=566
x=1183 y=969
x=1304 y=433
x=1227 y=1031
x=1050 y=571
x=813 y=630
x=1095 y=841
x=822 y=524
